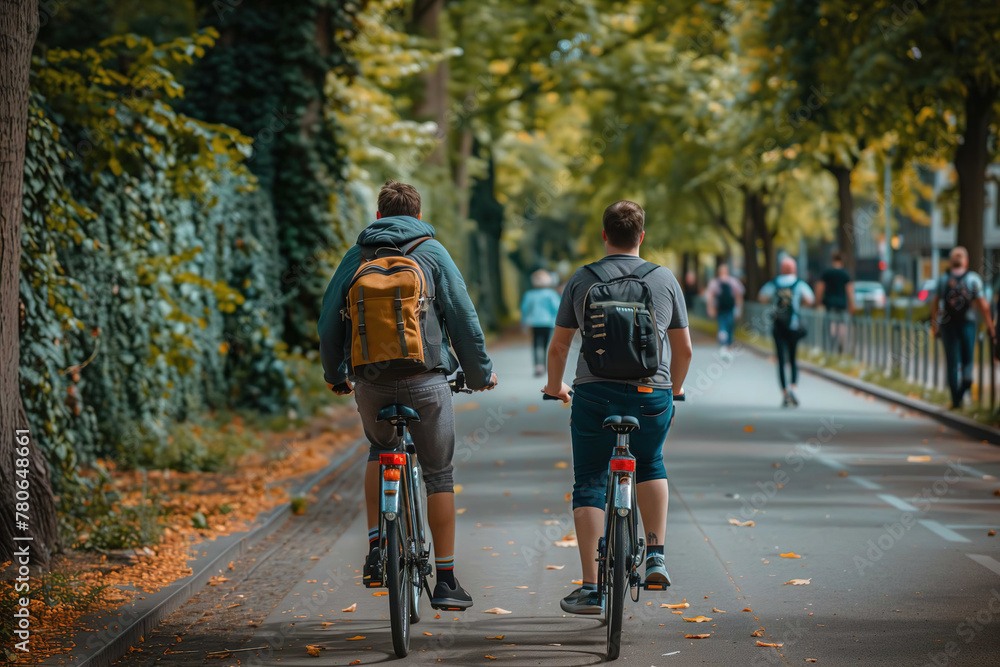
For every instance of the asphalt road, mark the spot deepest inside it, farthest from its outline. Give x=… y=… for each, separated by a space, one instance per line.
x=889 y=513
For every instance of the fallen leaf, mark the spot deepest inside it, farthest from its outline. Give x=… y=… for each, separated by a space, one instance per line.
x=797 y=582
x=718 y=611
x=775 y=645
x=682 y=605
x=355 y=638
x=742 y=524
x=748 y=429
x=531 y=408
x=324 y=624
x=313 y=651
x=810 y=659
x=570 y=543
x=569 y=496
x=697 y=636
x=992 y=533
x=790 y=554
x=842 y=473
x=562 y=464
x=379 y=594
x=917 y=459
x=496 y=610
x=677 y=612
x=458 y=488
x=698 y=619
x=461 y=510
x=757 y=633
x=746 y=609
x=353 y=607
x=356 y=662
x=497 y=637
x=490 y=657
x=520 y=586
x=554 y=567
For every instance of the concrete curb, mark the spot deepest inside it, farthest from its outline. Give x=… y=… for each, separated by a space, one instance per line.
x=960 y=423
x=126 y=626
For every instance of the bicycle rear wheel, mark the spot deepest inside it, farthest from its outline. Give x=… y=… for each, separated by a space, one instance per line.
x=397 y=577
x=619 y=559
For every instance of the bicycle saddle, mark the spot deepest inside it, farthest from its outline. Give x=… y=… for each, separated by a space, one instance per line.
x=622 y=423
x=396 y=413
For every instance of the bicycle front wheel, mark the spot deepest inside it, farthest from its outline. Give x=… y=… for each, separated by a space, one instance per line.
x=618 y=557
x=397 y=577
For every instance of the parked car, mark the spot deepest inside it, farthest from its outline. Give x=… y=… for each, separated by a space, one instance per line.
x=868 y=294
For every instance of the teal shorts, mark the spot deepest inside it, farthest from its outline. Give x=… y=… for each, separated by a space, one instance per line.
x=593 y=445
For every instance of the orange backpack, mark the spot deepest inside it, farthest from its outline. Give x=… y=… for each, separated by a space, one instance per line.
x=395 y=332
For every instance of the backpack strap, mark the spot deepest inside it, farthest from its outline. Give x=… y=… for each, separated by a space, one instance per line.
x=412 y=245
x=645 y=269
x=641 y=272
x=599 y=271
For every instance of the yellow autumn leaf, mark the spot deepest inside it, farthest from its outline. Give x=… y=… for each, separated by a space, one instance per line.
x=682 y=605
x=790 y=554
x=698 y=619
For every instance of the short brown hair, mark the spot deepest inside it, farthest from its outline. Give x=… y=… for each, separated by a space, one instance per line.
x=836 y=256
x=623 y=223
x=397 y=198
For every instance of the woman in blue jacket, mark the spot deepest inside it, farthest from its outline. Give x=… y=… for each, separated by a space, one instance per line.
x=538 y=311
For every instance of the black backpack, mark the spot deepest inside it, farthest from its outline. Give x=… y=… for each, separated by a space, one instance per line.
x=783 y=305
x=620 y=338
x=957 y=297
x=725 y=301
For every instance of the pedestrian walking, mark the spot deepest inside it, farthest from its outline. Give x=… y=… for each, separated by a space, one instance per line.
x=835 y=291
x=960 y=294
x=787 y=294
x=724 y=299
x=538 y=311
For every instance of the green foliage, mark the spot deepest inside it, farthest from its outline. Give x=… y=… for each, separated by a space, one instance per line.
x=148 y=260
x=267 y=78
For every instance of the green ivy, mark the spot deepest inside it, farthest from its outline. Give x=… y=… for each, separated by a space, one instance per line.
x=267 y=78
x=149 y=259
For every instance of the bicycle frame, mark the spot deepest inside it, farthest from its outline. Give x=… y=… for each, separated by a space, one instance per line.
x=399 y=482
x=621 y=505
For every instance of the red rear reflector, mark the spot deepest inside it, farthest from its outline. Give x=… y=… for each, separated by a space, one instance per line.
x=622 y=465
x=922 y=295
x=392 y=459
x=391 y=474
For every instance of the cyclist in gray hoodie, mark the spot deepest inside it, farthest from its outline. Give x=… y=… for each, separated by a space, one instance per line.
x=398 y=223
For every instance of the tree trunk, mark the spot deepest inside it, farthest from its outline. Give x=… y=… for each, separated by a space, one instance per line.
x=749 y=238
x=18 y=28
x=970 y=163
x=845 y=215
x=433 y=104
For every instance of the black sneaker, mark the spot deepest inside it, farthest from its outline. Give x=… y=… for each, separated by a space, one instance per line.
x=372 y=573
x=451 y=599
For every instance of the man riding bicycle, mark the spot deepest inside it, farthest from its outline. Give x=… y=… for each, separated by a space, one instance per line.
x=648 y=398
x=391 y=345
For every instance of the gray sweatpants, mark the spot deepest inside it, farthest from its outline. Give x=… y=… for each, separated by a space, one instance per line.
x=433 y=436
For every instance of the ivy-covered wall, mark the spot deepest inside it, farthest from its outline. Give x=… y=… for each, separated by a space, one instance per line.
x=149 y=256
x=267 y=78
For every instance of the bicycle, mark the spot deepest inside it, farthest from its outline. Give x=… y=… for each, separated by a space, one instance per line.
x=620 y=551
x=402 y=539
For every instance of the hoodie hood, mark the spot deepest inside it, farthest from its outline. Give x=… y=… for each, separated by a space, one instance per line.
x=395 y=230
